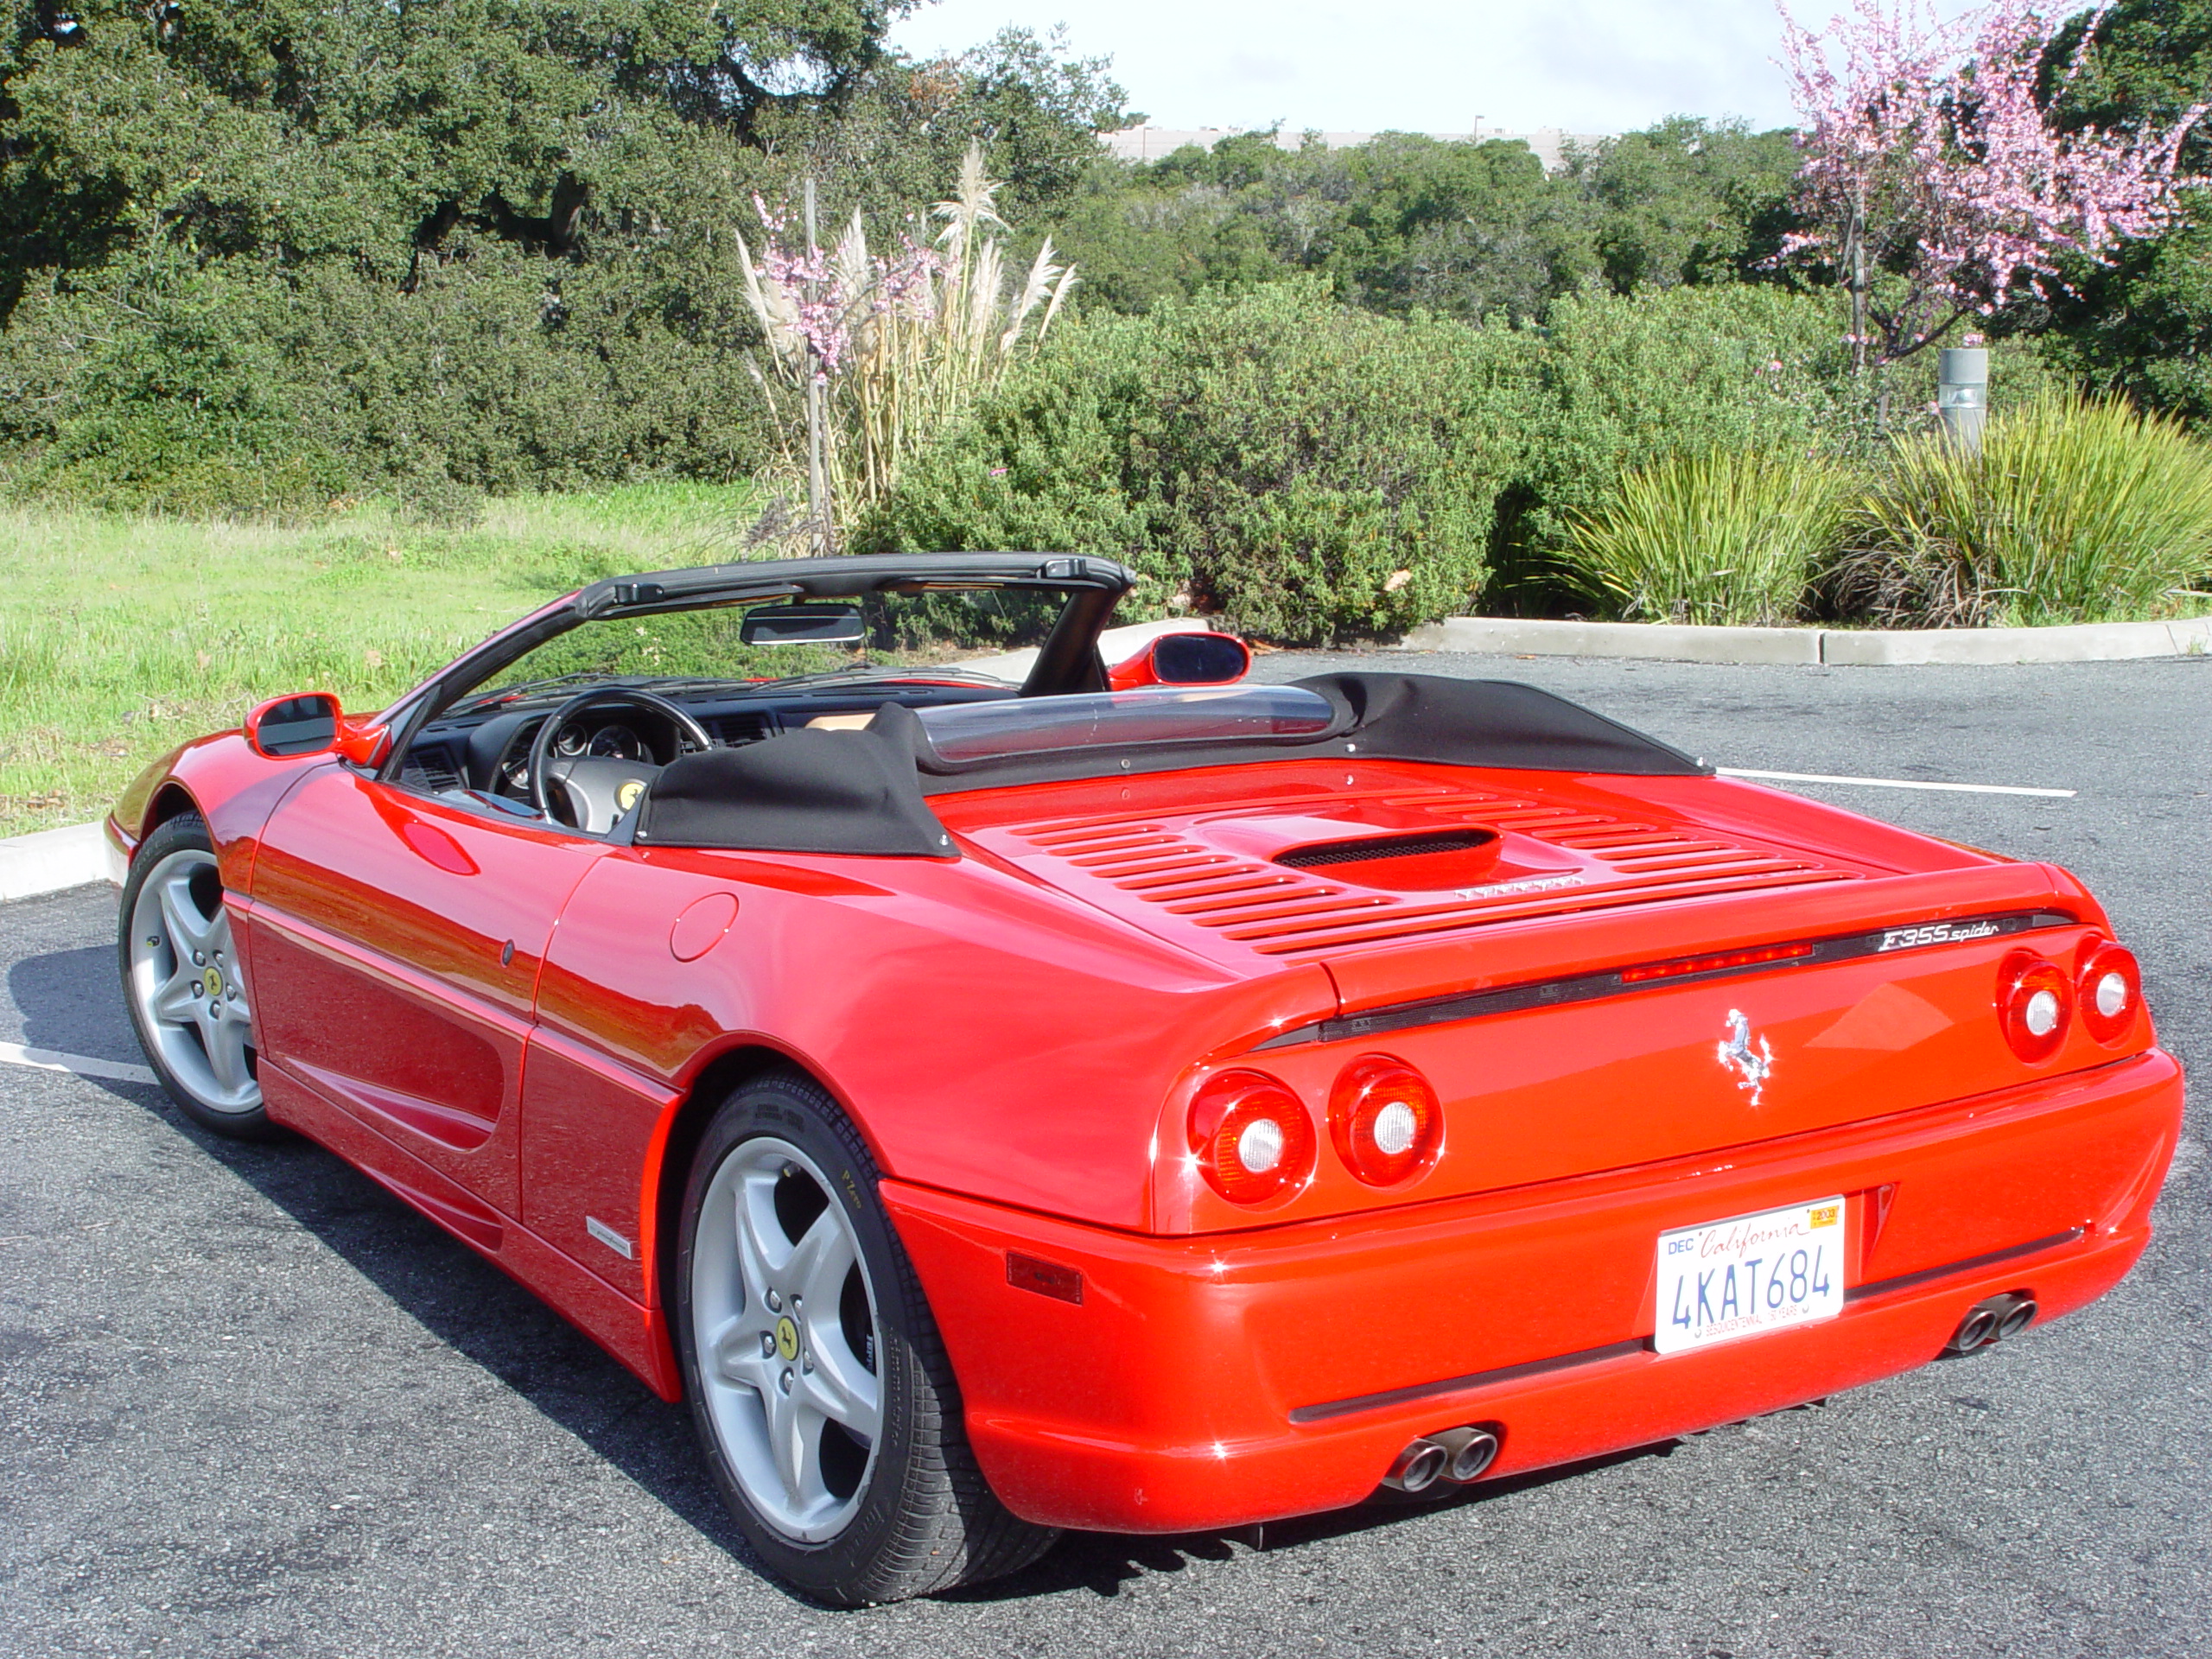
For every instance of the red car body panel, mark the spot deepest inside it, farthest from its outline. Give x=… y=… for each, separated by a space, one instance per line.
x=506 y=1025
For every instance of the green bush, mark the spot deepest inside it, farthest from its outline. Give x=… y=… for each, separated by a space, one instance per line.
x=2071 y=513
x=1309 y=473
x=1626 y=382
x=240 y=387
x=1726 y=537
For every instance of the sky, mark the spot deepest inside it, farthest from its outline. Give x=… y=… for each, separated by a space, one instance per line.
x=1422 y=65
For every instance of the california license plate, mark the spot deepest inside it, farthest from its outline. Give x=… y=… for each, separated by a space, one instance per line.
x=1752 y=1274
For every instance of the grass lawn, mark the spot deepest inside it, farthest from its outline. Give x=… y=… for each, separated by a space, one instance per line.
x=122 y=637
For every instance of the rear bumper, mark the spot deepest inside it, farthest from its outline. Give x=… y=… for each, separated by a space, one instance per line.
x=1218 y=1380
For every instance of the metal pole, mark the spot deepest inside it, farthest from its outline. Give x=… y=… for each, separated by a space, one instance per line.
x=1963 y=394
x=818 y=480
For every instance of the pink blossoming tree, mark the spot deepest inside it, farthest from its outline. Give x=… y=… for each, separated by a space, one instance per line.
x=1933 y=178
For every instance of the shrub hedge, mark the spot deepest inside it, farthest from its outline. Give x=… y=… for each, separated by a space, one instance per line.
x=1312 y=474
x=1306 y=472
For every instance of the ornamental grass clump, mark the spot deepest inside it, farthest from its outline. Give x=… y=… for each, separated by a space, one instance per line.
x=2071 y=513
x=1720 y=537
x=898 y=346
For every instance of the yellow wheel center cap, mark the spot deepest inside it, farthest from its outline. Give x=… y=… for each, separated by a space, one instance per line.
x=787 y=1338
x=212 y=982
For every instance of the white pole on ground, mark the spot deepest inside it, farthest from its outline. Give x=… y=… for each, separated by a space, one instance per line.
x=1963 y=394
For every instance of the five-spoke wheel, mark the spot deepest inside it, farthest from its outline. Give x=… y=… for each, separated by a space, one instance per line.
x=784 y=1317
x=182 y=980
x=818 y=1382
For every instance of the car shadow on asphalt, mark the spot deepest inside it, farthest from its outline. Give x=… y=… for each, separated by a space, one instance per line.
x=69 y=1001
x=1102 y=1563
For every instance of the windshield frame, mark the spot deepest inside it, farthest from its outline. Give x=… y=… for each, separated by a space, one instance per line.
x=1067 y=661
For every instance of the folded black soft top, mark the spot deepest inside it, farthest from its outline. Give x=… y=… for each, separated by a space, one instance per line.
x=867 y=790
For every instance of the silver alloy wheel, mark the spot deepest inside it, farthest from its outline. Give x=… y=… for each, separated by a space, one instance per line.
x=786 y=1331
x=184 y=978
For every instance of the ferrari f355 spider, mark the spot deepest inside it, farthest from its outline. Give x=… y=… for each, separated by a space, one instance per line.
x=1088 y=1089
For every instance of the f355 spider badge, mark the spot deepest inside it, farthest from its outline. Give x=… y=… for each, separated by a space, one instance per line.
x=1735 y=1051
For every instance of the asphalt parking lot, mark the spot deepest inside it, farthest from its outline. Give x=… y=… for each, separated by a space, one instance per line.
x=249 y=1405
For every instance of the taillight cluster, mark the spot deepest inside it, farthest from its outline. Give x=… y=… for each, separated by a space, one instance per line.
x=2037 y=1001
x=1253 y=1138
x=1384 y=1120
x=2110 y=990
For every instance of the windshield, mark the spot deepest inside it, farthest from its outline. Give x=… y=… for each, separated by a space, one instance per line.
x=972 y=633
x=963 y=733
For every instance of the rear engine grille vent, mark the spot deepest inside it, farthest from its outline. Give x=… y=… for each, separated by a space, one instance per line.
x=1370 y=848
x=730 y=730
x=1285 y=912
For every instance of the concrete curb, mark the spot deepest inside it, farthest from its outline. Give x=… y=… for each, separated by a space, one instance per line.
x=2095 y=642
x=51 y=861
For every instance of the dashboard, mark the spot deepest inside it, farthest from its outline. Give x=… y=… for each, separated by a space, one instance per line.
x=488 y=750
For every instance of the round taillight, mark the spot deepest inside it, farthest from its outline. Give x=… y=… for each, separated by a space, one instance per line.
x=1251 y=1136
x=2034 y=1001
x=2109 y=989
x=1384 y=1120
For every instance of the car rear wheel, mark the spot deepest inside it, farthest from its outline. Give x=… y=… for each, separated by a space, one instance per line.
x=818 y=1380
x=181 y=982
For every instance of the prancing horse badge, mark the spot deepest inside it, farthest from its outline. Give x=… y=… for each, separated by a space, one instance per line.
x=1736 y=1052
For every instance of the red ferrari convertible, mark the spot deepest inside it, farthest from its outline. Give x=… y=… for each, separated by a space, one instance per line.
x=1052 y=1092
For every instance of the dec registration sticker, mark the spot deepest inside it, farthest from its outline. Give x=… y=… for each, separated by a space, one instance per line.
x=1738 y=1278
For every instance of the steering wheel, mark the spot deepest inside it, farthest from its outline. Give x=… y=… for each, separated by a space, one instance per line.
x=594 y=787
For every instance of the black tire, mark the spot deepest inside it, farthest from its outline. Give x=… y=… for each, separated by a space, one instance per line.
x=922 y=1518
x=242 y=1115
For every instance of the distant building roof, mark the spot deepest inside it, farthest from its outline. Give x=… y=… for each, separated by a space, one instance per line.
x=1151 y=143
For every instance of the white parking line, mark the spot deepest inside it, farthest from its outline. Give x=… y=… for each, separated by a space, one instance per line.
x=1893 y=783
x=47 y=1059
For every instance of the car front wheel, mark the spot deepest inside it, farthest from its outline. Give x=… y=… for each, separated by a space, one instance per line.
x=818 y=1380
x=183 y=984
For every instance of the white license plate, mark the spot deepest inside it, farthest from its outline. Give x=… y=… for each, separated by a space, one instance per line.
x=1751 y=1274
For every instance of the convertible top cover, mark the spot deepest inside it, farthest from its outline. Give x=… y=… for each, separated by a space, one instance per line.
x=808 y=791
x=865 y=791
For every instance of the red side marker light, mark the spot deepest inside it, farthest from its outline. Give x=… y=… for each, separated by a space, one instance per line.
x=2034 y=1001
x=1062 y=1284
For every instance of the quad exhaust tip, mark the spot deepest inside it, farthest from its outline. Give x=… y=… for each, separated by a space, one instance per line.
x=1454 y=1455
x=1993 y=1320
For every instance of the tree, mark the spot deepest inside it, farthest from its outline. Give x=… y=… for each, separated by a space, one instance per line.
x=1688 y=201
x=1936 y=178
x=507 y=219
x=2142 y=325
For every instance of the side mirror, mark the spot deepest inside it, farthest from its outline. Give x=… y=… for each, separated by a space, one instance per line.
x=286 y=727
x=803 y=625
x=1184 y=659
